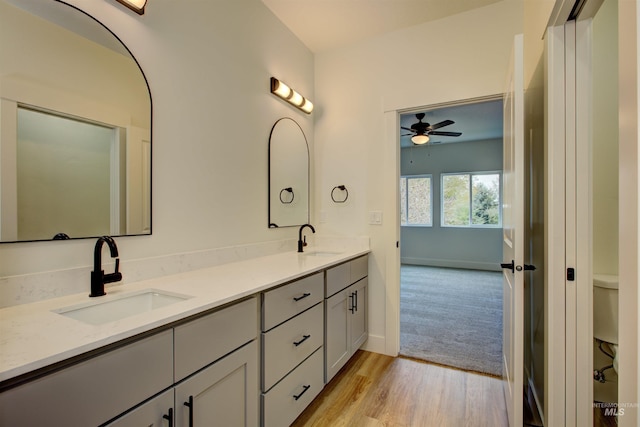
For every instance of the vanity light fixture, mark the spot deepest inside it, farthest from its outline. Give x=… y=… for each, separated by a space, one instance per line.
x=420 y=139
x=136 y=5
x=291 y=96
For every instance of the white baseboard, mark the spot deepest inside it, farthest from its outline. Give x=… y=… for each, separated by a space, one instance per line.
x=376 y=344
x=452 y=263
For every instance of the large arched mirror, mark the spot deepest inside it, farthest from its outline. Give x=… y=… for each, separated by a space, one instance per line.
x=75 y=133
x=288 y=175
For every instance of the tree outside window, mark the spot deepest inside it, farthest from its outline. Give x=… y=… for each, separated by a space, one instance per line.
x=471 y=200
x=416 y=200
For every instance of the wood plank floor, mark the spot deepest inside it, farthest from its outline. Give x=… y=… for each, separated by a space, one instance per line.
x=377 y=390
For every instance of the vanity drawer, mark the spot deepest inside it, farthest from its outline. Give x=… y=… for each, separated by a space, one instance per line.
x=280 y=406
x=359 y=268
x=280 y=352
x=285 y=302
x=204 y=340
x=338 y=278
x=343 y=275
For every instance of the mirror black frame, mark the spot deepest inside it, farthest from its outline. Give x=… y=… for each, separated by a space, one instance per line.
x=270 y=222
x=146 y=81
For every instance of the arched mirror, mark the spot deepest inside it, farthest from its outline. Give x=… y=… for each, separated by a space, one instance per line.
x=75 y=133
x=288 y=175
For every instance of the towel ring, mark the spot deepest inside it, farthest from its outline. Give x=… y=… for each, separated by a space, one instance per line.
x=343 y=188
x=289 y=190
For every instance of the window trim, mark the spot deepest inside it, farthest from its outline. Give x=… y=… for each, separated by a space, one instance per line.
x=406 y=207
x=471 y=175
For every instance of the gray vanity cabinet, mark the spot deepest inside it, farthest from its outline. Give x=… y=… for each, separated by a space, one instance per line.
x=215 y=360
x=292 y=355
x=346 y=327
x=225 y=392
x=95 y=390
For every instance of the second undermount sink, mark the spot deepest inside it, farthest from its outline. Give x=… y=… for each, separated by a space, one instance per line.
x=322 y=253
x=121 y=306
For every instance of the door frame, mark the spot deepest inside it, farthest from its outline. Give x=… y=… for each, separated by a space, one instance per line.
x=392 y=231
x=568 y=388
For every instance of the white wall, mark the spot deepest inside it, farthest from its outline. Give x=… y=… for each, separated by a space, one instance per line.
x=208 y=64
x=461 y=57
x=458 y=247
x=605 y=140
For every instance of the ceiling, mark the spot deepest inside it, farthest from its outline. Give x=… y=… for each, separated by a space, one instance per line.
x=327 y=24
x=477 y=121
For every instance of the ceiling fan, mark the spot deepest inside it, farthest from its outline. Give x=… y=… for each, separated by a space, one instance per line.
x=421 y=131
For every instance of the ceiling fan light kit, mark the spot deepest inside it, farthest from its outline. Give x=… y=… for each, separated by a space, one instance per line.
x=419 y=139
x=283 y=91
x=421 y=131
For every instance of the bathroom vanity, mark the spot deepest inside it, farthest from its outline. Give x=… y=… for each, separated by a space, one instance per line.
x=247 y=343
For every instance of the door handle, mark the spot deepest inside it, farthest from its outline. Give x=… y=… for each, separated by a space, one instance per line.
x=169 y=417
x=189 y=404
x=510 y=266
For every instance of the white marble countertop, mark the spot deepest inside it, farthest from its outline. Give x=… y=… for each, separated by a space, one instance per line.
x=32 y=336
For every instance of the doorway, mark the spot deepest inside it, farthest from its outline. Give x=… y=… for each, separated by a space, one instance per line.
x=451 y=235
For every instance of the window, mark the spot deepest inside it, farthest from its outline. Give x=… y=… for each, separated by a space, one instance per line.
x=471 y=200
x=415 y=200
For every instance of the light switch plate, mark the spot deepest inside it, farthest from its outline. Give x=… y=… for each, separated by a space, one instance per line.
x=375 y=217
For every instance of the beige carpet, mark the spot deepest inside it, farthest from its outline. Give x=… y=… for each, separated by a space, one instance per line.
x=452 y=317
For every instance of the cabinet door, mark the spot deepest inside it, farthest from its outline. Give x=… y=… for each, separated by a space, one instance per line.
x=337 y=341
x=225 y=393
x=157 y=412
x=358 y=313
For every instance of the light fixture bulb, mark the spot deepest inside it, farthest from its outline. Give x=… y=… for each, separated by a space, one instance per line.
x=136 y=5
x=307 y=107
x=282 y=90
x=296 y=99
x=420 y=139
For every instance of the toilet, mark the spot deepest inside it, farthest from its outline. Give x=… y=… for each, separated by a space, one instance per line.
x=605 y=328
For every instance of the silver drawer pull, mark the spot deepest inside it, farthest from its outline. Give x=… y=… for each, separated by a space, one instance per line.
x=305 y=387
x=304 y=338
x=306 y=294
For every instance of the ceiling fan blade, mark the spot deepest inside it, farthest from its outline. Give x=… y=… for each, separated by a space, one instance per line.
x=407 y=134
x=442 y=124
x=445 y=133
x=409 y=129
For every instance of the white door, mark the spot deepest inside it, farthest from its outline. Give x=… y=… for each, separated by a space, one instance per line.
x=513 y=237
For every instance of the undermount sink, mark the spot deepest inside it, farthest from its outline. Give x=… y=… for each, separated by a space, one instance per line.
x=121 y=306
x=322 y=253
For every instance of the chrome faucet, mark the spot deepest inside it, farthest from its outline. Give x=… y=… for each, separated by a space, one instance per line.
x=98 y=278
x=302 y=243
